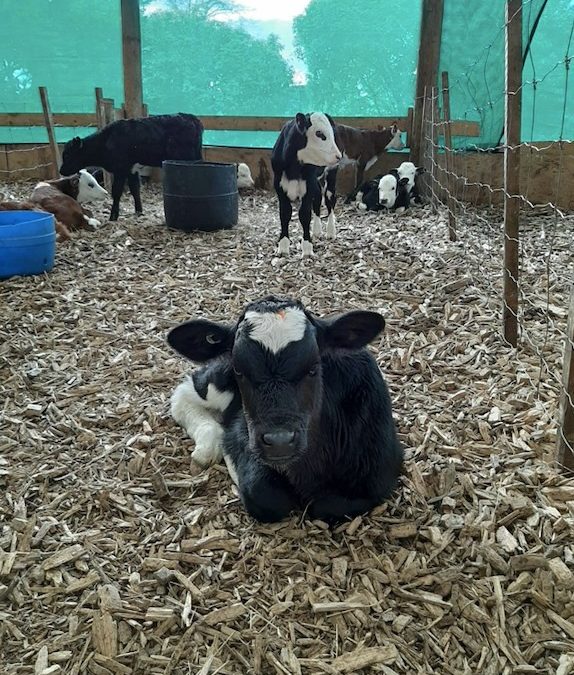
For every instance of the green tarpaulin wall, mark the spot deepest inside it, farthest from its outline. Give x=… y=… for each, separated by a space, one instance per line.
x=345 y=58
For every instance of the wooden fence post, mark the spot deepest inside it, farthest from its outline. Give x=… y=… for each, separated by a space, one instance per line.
x=427 y=67
x=49 y=122
x=565 y=443
x=448 y=157
x=512 y=112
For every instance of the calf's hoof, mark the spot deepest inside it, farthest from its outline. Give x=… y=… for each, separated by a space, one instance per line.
x=307 y=249
x=283 y=247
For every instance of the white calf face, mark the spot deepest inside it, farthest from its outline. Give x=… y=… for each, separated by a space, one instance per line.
x=89 y=188
x=244 y=179
x=396 y=142
x=408 y=170
x=388 y=191
x=321 y=149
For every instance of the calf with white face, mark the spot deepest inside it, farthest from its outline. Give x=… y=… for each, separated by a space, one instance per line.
x=244 y=179
x=89 y=190
x=295 y=404
x=410 y=171
x=305 y=145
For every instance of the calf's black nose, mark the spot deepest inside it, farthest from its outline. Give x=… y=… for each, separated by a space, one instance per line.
x=280 y=444
x=281 y=437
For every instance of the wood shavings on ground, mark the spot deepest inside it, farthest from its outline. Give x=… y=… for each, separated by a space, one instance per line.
x=118 y=556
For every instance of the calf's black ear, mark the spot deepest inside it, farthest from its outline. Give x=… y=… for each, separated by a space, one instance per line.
x=403 y=181
x=352 y=330
x=301 y=121
x=420 y=169
x=201 y=340
x=76 y=142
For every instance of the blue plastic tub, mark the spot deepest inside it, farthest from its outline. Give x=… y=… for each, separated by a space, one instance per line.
x=27 y=243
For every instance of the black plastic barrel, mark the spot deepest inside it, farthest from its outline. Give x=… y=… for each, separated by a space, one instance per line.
x=200 y=195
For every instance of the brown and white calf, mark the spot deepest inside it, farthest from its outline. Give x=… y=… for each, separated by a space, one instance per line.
x=363 y=146
x=63 y=197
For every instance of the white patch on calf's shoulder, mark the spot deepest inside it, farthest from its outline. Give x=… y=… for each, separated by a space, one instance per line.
x=294 y=189
x=275 y=330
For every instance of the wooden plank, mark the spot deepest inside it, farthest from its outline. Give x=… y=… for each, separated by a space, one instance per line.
x=105 y=116
x=239 y=123
x=565 y=445
x=427 y=67
x=49 y=122
x=512 y=112
x=99 y=107
x=409 y=133
x=132 y=58
x=448 y=157
x=37 y=119
x=232 y=123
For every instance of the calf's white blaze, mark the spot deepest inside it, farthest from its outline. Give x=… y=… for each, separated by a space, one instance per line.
x=276 y=330
x=200 y=418
x=320 y=151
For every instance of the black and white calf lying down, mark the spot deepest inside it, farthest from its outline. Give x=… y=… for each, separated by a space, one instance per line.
x=296 y=406
x=392 y=191
x=306 y=144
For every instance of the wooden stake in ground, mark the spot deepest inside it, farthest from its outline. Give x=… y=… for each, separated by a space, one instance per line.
x=448 y=157
x=104 y=115
x=512 y=111
x=566 y=431
x=49 y=122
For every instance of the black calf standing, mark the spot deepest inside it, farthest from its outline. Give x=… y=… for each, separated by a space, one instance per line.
x=123 y=143
x=297 y=407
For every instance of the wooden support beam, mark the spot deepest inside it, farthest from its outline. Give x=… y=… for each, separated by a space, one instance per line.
x=565 y=443
x=49 y=122
x=132 y=58
x=104 y=115
x=450 y=202
x=512 y=112
x=37 y=119
x=428 y=65
x=99 y=107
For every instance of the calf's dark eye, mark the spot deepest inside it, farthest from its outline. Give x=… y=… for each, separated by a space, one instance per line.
x=237 y=372
x=313 y=371
x=321 y=135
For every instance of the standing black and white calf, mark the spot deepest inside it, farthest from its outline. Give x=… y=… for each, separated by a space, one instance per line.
x=295 y=404
x=123 y=143
x=305 y=145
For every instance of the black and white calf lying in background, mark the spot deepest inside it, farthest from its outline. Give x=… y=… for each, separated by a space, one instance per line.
x=410 y=171
x=384 y=192
x=305 y=145
x=124 y=143
x=295 y=404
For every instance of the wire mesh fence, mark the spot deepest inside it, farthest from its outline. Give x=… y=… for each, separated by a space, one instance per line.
x=472 y=186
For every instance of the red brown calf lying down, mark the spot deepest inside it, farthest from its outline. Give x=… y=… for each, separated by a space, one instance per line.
x=63 y=234
x=62 y=197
